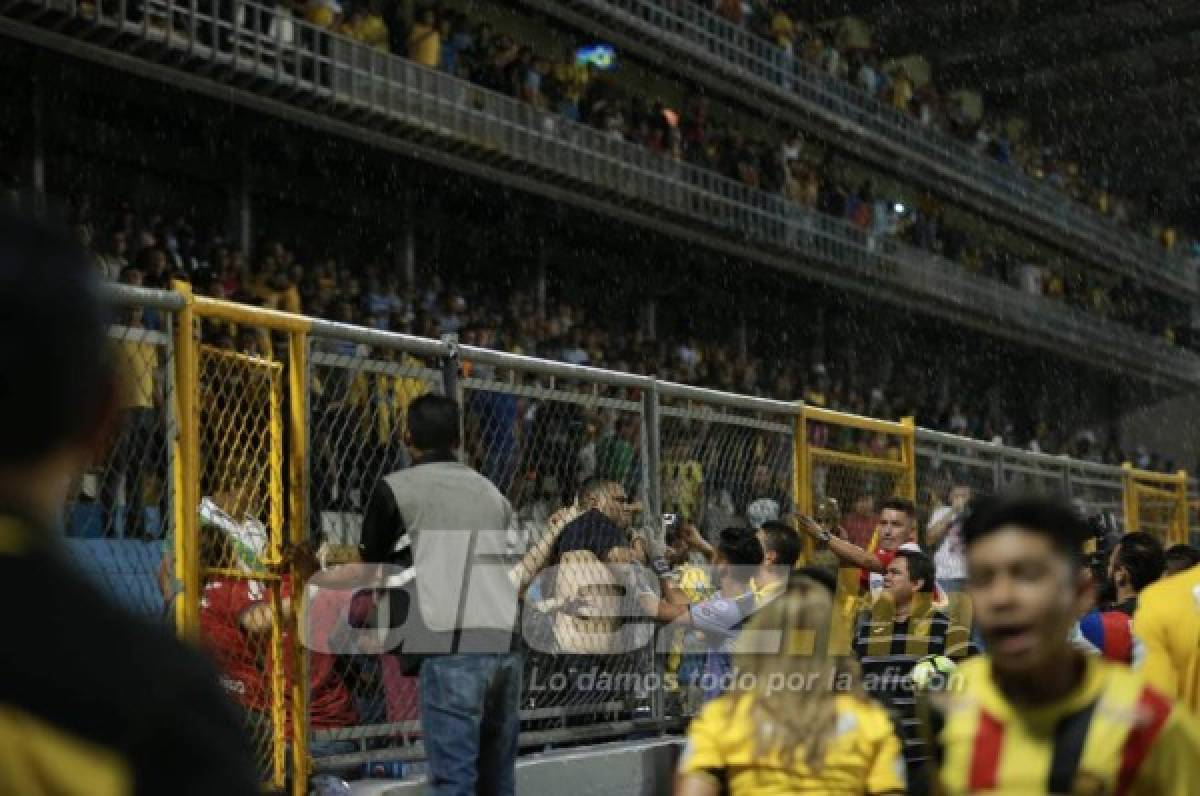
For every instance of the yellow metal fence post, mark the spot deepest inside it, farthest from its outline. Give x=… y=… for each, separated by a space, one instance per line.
x=297 y=534
x=1179 y=525
x=187 y=469
x=802 y=477
x=908 y=455
x=279 y=683
x=1129 y=498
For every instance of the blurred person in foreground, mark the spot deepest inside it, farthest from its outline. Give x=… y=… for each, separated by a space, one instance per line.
x=1036 y=715
x=143 y=714
x=802 y=724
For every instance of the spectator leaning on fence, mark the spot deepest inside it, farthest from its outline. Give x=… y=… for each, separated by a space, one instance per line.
x=739 y=558
x=584 y=555
x=424 y=521
x=894 y=532
x=236 y=621
x=144 y=715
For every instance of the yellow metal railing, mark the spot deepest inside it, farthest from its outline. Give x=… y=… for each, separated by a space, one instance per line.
x=284 y=485
x=841 y=456
x=1157 y=503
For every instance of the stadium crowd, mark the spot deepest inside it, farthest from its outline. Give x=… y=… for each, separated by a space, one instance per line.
x=836 y=48
x=149 y=249
x=446 y=39
x=969 y=644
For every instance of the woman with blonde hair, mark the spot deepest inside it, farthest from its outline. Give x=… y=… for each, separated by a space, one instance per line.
x=794 y=719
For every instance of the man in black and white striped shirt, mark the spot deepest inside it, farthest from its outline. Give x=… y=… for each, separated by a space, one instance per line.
x=901 y=628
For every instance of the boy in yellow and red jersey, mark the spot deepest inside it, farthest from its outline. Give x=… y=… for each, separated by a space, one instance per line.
x=1035 y=715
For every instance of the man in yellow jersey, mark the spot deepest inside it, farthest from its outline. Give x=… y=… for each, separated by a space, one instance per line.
x=1166 y=627
x=1034 y=715
x=92 y=701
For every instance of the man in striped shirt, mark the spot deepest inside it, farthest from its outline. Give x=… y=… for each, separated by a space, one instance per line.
x=901 y=628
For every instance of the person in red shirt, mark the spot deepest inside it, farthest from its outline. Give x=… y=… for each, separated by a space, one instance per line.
x=859 y=524
x=235 y=626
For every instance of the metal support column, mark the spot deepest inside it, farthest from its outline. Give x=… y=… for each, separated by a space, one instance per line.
x=241 y=206
x=450 y=383
x=650 y=318
x=542 y=280
x=37 y=152
x=410 y=241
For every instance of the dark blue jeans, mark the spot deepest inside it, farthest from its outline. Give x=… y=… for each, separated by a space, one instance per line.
x=470 y=719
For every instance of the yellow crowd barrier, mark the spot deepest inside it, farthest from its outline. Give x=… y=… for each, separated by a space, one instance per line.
x=1157 y=503
x=238 y=414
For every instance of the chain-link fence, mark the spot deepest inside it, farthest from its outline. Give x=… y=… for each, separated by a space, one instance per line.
x=1098 y=491
x=239 y=541
x=121 y=514
x=723 y=461
x=359 y=393
x=848 y=466
x=946 y=463
x=722 y=465
x=1155 y=513
x=857 y=462
x=287 y=425
x=1033 y=473
x=549 y=442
